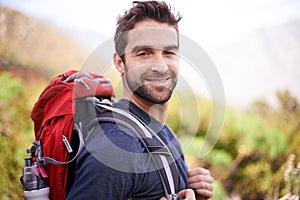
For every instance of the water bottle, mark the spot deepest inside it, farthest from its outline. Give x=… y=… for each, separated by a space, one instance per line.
x=34 y=181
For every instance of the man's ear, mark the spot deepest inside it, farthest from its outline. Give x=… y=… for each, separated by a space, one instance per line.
x=119 y=63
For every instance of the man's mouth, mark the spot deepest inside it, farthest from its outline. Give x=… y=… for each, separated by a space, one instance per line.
x=157 y=80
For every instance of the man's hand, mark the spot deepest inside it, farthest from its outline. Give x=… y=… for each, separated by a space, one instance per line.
x=200 y=181
x=187 y=194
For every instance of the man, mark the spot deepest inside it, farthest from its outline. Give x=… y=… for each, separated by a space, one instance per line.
x=112 y=165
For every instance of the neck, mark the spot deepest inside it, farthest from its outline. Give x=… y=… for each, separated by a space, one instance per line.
x=157 y=111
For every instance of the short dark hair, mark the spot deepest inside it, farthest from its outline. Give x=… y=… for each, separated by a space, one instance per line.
x=141 y=10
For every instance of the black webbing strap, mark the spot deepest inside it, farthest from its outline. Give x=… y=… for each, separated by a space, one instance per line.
x=81 y=145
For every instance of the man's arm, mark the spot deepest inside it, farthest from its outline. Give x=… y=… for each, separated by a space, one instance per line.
x=200 y=180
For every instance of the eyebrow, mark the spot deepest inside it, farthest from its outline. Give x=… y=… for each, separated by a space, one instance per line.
x=141 y=47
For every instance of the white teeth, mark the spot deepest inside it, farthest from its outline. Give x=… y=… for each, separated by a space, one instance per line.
x=158 y=80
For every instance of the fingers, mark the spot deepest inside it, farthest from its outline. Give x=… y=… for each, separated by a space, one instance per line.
x=201 y=181
x=203 y=189
x=199 y=175
x=205 y=194
x=198 y=170
x=202 y=185
x=187 y=194
x=200 y=178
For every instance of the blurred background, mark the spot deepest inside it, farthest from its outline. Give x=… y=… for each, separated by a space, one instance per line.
x=255 y=46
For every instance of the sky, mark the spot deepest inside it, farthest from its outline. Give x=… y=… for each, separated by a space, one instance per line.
x=211 y=23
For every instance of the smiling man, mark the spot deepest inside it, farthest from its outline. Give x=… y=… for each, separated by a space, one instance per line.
x=113 y=164
x=149 y=66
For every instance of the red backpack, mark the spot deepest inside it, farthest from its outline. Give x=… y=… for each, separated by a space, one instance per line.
x=53 y=117
x=57 y=118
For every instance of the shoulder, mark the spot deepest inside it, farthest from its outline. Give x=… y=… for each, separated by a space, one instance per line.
x=108 y=135
x=116 y=147
x=169 y=137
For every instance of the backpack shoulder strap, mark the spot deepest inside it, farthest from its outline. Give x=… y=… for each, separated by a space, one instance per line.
x=157 y=149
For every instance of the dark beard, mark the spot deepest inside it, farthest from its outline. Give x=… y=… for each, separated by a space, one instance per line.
x=148 y=95
x=158 y=95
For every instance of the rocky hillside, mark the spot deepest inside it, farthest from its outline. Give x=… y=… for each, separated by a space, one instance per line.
x=27 y=42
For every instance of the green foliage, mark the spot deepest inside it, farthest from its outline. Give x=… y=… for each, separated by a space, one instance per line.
x=9 y=169
x=250 y=155
x=9 y=90
x=15 y=135
x=255 y=180
x=219 y=193
x=219 y=157
x=193 y=144
x=273 y=142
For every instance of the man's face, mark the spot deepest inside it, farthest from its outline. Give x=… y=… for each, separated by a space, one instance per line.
x=151 y=61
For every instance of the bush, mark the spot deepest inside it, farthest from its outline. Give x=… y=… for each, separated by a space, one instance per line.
x=15 y=135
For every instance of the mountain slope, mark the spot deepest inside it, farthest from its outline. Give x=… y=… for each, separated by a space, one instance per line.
x=30 y=42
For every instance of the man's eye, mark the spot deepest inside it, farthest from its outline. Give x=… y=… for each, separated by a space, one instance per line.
x=142 y=53
x=170 y=52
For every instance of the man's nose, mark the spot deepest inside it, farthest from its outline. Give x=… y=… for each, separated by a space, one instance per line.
x=159 y=64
